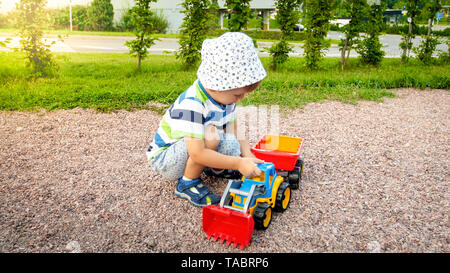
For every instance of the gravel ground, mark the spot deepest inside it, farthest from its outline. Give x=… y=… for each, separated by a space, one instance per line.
x=376 y=179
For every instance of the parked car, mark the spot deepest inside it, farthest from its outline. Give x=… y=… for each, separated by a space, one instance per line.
x=299 y=27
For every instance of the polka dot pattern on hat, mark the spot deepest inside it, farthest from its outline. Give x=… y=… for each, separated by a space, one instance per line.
x=230 y=61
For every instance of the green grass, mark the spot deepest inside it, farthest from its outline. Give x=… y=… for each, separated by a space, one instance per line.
x=293 y=85
x=108 y=82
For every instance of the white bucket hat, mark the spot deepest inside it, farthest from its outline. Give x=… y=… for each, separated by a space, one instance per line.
x=230 y=61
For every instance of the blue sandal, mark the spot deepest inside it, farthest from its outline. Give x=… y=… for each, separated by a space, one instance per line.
x=196 y=192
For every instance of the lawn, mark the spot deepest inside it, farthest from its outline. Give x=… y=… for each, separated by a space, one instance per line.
x=108 y=82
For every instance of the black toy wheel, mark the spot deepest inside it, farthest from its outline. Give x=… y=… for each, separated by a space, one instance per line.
x=299 y=162
x=283 y=197
x=300 y=169
x=295 y=176
x=262 y=216
x=293 y=179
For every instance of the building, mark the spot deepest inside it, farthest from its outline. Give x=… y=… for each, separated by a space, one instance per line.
x=392 y=16
x=265 y=7
x=172 y=10
x=120 y=8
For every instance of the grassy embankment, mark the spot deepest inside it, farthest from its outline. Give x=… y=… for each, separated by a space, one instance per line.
x=109 y=82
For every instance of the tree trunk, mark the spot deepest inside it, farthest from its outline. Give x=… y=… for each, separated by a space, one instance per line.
x=348 y=55
x=408 y=40
x=343 y=50
x=410 y=29
x=430 y=25
x=139 y=57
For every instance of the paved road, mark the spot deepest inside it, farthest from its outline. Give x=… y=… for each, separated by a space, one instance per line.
x=115 y=44
x=100 y=44
x=390 y=44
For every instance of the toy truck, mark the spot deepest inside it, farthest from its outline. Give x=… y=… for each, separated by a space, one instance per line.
x=247 y=204
x=284 y=153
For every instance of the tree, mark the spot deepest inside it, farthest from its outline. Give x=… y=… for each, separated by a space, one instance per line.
x=196 y=23
x=390 y=3
x=431 y=8
x=370 y=47
x=143 y=28
x=240 y=14
x=7 y=40
x=356 y=10
x=30 y=21
x=287 y=16
x=428 y=45
x=80 y=17
x=60 y=17
x=101 y=14
x=318 y=13
x=412 y=12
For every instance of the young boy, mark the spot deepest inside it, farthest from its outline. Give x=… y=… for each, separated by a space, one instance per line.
x=199 y=129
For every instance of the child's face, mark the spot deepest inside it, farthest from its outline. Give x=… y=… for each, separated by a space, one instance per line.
x=231 y=96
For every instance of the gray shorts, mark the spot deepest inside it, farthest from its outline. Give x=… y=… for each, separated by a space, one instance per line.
x=171 y=162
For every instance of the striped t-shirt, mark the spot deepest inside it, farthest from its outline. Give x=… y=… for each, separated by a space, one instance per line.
x=189 y=115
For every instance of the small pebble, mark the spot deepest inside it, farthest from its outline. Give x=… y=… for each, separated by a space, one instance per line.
x=73 y=247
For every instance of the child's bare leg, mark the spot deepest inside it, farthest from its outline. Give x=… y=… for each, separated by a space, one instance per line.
x=212 y=139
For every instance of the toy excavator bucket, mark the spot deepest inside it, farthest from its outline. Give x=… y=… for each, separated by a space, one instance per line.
x=233 y=226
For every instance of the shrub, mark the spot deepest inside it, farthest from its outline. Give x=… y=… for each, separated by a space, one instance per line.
x=100 y=15
x=31 y=19
x=370 y=47
x=80 y=17
x=425 y=50
x=413 y=13
x=198 y=16
x=158 y=21
x=402 y=29
x=318 y=13
x=60 y=17
x=279 y=52
x=124 y=23
x=287 y=17
x=240 y=14
x=356 y=10
x=140 y=16
x=3 y=21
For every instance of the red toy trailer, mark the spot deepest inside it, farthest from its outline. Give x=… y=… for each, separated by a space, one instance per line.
x=284 y=153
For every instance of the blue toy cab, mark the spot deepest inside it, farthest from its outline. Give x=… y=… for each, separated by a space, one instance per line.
x=258 y=195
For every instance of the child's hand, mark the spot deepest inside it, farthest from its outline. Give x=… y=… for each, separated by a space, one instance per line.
x=247 y=166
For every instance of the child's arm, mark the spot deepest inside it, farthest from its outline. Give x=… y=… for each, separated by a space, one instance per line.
x=207 y=157
x=245 y=147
